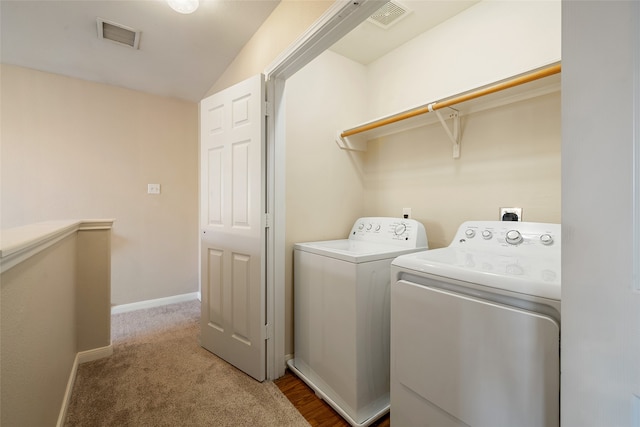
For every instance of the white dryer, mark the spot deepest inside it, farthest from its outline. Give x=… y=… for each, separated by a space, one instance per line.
x=475 y=329
x=341 y=314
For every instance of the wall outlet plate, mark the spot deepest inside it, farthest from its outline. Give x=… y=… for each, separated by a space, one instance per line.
x=406 y=212
x=516 y=211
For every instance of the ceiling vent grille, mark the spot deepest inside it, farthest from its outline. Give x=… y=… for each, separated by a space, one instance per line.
x=390 y=13
x=118 y=33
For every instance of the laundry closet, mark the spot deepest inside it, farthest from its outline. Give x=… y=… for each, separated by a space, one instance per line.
x=509 y=143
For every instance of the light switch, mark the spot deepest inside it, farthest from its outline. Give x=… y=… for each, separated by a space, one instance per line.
x=153 y=189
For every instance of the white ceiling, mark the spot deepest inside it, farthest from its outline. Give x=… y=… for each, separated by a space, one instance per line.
x=369 y=41
x=180 y=56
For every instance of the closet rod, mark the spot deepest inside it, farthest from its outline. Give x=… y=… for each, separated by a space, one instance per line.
x=526 y=78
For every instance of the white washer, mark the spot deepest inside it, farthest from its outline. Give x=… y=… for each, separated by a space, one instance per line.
x=475 y=329
x=341 y=314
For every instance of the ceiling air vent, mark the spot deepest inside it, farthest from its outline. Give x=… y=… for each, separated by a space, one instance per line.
x=118 y=33
x=390 y=13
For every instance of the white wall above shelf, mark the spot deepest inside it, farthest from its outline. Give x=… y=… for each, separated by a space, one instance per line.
x=536 y=83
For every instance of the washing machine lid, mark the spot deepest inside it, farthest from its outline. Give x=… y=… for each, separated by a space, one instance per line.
x=534 y=276
x=521 y=257
x=373 y=239
x=355 y=251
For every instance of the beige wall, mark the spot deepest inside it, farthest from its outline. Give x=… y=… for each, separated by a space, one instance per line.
x=510 y=157
x=93 y=289
x=76 y=149
x=55 y=304
x=38 y=335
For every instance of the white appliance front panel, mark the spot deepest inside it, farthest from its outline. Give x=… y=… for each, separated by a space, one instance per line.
x=342 y=330
x=462 y=361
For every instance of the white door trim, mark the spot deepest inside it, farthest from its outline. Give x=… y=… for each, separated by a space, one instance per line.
x=342 y=17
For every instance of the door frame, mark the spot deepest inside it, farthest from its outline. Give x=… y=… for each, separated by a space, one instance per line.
x=341 y=17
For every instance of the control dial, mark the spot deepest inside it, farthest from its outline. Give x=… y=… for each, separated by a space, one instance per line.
x=513 y=237
x=470 y=233
x=546 y=239
x=369 y=227
x=400 y=229
x=487 y=234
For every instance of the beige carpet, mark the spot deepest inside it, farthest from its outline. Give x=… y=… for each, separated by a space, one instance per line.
x=159 y=375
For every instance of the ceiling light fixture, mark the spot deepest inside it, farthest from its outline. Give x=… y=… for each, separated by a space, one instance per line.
x=184 y=6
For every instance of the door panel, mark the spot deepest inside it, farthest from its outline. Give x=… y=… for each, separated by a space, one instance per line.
x=240 y=182
x=215 y=288
x=232 y=233
x=214 y=169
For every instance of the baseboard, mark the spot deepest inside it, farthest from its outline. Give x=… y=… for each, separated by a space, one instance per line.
x=81 y=357
x=94 y=354
x=124 y=308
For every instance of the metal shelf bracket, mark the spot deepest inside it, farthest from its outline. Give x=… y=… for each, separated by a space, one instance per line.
x=454 y=135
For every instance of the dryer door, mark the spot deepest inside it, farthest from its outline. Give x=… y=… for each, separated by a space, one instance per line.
x=458 y=360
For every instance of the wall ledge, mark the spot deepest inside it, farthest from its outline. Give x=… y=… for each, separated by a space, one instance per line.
x=21 y=243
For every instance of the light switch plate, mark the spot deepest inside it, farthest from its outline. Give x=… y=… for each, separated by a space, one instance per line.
x=153 y=188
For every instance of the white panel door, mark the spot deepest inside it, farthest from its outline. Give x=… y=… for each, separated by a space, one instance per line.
x=232 y=208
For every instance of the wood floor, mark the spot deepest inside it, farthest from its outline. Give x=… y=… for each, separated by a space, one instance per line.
x=315 y=410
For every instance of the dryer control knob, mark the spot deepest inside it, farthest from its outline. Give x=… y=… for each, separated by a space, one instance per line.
x=470 y=233
x=546 y=239
x=400 y=229
x=487 y=234
x=513 y=237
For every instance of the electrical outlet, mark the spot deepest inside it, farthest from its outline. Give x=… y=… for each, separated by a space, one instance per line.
x=510 y=212
x=406 y=213
x=153 y=188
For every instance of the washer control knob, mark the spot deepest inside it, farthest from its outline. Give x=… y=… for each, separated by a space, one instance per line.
x=470 y=233
x=360 y=226
x=513 y=237
x=546 y=239
x=378 y=226
x=368 y=227
x=400 y=229
x=487 y=234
